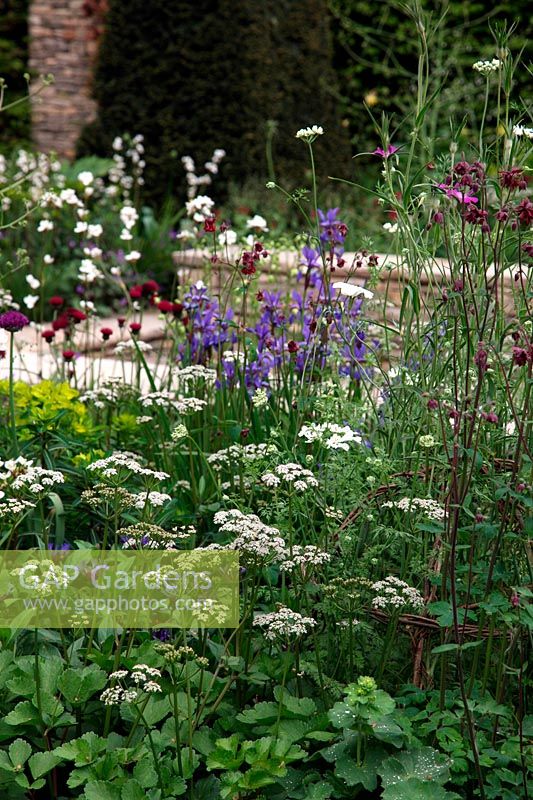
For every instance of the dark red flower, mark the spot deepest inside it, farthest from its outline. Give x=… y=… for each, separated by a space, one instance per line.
x=165 y=306
x=513 y=178
x=177 y=308
x=68 y=355
x=121 y=321
x=48 y=335
x=135 y=327
x=524 y=212
x=76 y=315
x=56 y=301
x=149 y=288
x=292 y=347
x=210 y=224
x=61 y=322
x=136 y=292
x=106 y=333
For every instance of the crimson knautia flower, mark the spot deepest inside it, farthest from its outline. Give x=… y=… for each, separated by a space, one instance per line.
x=13 y=321
x=48 y=335
x=379 y=151
x=106 y=333
x=68 y=355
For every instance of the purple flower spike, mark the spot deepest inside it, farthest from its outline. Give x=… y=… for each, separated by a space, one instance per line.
x=13 y=321
x=379 y=151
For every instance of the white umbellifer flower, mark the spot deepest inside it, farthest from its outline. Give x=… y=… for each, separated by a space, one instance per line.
x=196 y=372
x=332 y=436
x=80 y=227
x=131 y=346
x=95 y=231
x=133 y=256
x=30 y=300
x=85 y=178
x=45 y=225
x=227 y=238
x=351 y=290
x=291 y=474
x=257 y=223
x=283 y=624
x=48 y=259
x=128 y=216
x=21 y=474
x=235 y=454
x=119 y=461
x=254 y=540
x=151 y=498
x=199 y=207
x=125 y=235
x=260 y=398
x=486 y=67
x=309 y=134
x=427 y=441
x=178 y=433
x=394 y=594
x=304 y=557
x=429 y=507
x=183 y=405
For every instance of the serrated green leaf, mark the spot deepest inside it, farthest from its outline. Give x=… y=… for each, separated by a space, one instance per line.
x=19 y=752
x=41 y=763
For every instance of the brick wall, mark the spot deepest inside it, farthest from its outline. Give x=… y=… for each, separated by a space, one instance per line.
x=63 y=37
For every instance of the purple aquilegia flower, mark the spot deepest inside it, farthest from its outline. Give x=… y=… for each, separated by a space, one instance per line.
x=64 y=546
x=13 y=321
x=379 y=151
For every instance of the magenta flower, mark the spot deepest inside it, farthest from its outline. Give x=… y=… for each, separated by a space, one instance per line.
x=457 y=194
x=379 y=151
x=13 y=321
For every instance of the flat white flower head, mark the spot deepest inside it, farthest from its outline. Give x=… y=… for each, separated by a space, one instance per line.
x=351 y=290
x=310 y=133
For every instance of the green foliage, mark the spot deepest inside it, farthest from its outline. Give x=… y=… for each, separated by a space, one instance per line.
x=194 y=77
x=377 y=57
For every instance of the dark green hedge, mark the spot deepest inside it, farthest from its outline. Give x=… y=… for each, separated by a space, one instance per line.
x=195 y=76
x=14 y=122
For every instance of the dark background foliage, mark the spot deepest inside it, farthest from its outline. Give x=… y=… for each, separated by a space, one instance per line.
x=195 y=76
x=15 y=125
x=376 y=56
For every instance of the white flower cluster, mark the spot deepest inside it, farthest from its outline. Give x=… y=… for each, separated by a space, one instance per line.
x=310 y=133
x=52 y=578
x=131 y=346
x=200 y=207
x=12 y=505
x=195 y=372
x=291 y=474
x=21 y=474
x=393 y=594
x=108 y=394
x=260 y=398
x=331 y=435
x=283 y=623
x=151 y=498
x=118 y=174
x=304 y=556
x=211 y=168
x=236 y=453
x=142 y=676
x=486 y=67
x=429 y=507
x=521 y=130
x=118 y=462
x=253 y=538
x=183 y=405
